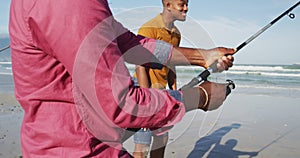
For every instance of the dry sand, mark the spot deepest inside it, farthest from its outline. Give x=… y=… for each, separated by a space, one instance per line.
x=246 y=126
x=11 y=115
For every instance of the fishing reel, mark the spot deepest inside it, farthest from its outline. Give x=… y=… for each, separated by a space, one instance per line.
x=229 y=86
x=292 y=15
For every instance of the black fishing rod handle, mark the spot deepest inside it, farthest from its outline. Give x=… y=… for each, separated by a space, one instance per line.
x=191 y=84
x=196 y=80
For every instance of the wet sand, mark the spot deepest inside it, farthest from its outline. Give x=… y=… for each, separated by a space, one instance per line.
x=247 y=125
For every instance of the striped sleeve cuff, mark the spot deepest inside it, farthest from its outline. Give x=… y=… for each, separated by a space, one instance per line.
x=162 y=51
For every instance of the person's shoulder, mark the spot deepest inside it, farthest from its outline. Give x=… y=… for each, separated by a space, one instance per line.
x=153 y=23
x=151 y=27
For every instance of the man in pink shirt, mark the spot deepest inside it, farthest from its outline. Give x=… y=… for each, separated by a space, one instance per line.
x=70 y=78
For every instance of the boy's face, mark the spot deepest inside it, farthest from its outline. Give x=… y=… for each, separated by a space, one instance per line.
x=179 y=9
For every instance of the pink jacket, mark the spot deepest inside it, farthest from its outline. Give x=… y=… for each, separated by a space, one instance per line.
x=71 y=79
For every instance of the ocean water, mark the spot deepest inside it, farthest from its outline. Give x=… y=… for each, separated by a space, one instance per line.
x=275 y=80
x=6 y=78
x=278 y=80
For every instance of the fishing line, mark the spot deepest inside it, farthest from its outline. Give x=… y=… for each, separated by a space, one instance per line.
x=204 y=75
x=275 y=140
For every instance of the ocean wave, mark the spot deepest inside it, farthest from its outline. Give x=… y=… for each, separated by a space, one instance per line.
x=268 y=91
x=263 y=68
x=259 y=73
x=6 y=73
x=267 y=86
x=5 y=62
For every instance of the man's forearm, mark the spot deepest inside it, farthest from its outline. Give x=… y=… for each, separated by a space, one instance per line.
x=187 y=56
x=203 y=57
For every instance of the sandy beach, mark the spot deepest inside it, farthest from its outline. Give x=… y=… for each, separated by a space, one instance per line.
x=11 y=115
x=246 y=126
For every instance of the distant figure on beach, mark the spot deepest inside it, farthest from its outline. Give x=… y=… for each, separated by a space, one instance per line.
x=68 y=63
x=161 y=27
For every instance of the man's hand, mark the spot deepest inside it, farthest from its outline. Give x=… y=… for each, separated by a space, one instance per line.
x=207 y=96
x=216 y=94
x=219 y=59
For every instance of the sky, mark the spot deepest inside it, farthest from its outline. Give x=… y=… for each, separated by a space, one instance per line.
x=212 y=23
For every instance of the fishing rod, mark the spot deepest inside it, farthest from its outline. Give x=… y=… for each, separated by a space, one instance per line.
x=4 y=48
x=204 y=75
